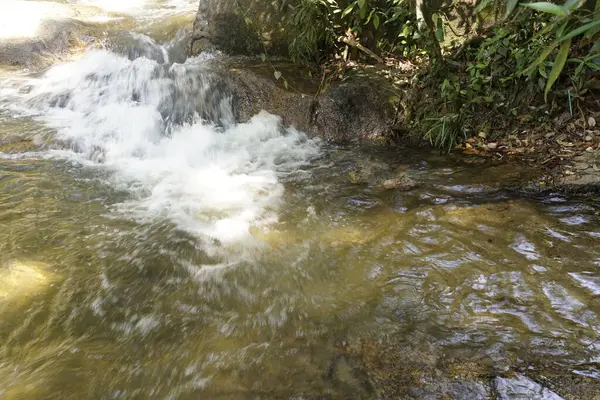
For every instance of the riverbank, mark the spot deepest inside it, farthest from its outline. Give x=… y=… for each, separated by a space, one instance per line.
x=494 y=89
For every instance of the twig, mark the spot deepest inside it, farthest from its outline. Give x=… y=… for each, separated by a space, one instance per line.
x=355 y=44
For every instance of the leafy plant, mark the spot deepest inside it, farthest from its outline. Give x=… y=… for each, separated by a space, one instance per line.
x=570 y=23
x=444 y=132
x=315 y=29
x=350 y=28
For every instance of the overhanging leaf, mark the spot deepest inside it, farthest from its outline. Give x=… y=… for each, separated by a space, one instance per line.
x=546 y=7
x=579 y=69
x=439 y=32
x=572 y=5
x=541 y=58
x=376 y=21
x=482 y=4
x=277 y=75
x=579 y=31
x=369 y=17
x=559 y=63
x=363 y=12
x=348 y=10
x=562 y=27
x=510 y=7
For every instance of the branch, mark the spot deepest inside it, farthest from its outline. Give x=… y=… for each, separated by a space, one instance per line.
x=352 y=42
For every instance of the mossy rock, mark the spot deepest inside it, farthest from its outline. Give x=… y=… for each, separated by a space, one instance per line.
x=21 y=146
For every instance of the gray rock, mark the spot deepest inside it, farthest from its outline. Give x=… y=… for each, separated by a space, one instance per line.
x=134 y=45
x=402 y=183
x=454 y=390
x=50 y=30
x=358 y=108
x=521 y=387
x=348 y=111
x=53 y=38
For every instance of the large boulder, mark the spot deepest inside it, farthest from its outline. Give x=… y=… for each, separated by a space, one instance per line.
x=357 y=109
x=33 y=34
x=242 y=27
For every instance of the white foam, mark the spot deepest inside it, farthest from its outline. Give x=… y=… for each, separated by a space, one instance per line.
x=140 y=6
x=115 y=5
x=209 y=181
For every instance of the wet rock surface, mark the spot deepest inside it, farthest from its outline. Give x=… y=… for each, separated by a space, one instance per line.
x=34 y=34
x=55 y=38
x=521 y=387
x=345 y=112
x=403 y=183
x=582 y=171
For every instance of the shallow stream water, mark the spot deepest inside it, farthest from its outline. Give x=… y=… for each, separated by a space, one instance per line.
x=147 y=253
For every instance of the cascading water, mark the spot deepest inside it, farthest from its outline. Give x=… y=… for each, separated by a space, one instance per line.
x=169 y=136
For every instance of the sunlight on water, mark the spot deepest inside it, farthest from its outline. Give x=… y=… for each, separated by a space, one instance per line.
x=116 y=5
x=22 y=19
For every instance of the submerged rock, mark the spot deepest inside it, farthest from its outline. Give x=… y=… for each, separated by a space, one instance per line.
x=521 y=387
x=403 y=183
x=20 y=280
x=21 y=146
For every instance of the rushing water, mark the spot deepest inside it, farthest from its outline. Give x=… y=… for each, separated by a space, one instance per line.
x=151 y=247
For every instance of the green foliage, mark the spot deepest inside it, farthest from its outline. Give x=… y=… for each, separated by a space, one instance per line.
x=522 y=52
x=348 y=27
x=444 y=132
x=569 y=23
x=543 y=44
x=314 y=30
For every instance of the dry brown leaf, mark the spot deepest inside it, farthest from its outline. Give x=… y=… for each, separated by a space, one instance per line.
x=471 y=152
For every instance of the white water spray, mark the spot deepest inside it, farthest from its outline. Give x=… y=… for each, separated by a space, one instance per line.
x=141 y=120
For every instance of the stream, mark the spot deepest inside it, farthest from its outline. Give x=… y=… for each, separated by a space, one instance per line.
x=147 y=251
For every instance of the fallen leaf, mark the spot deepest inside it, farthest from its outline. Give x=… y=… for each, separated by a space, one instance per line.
x=569 y=172
x=352 y=176
x=591 y=122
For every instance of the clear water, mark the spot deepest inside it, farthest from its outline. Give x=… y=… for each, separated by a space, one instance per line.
x=146 y=252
